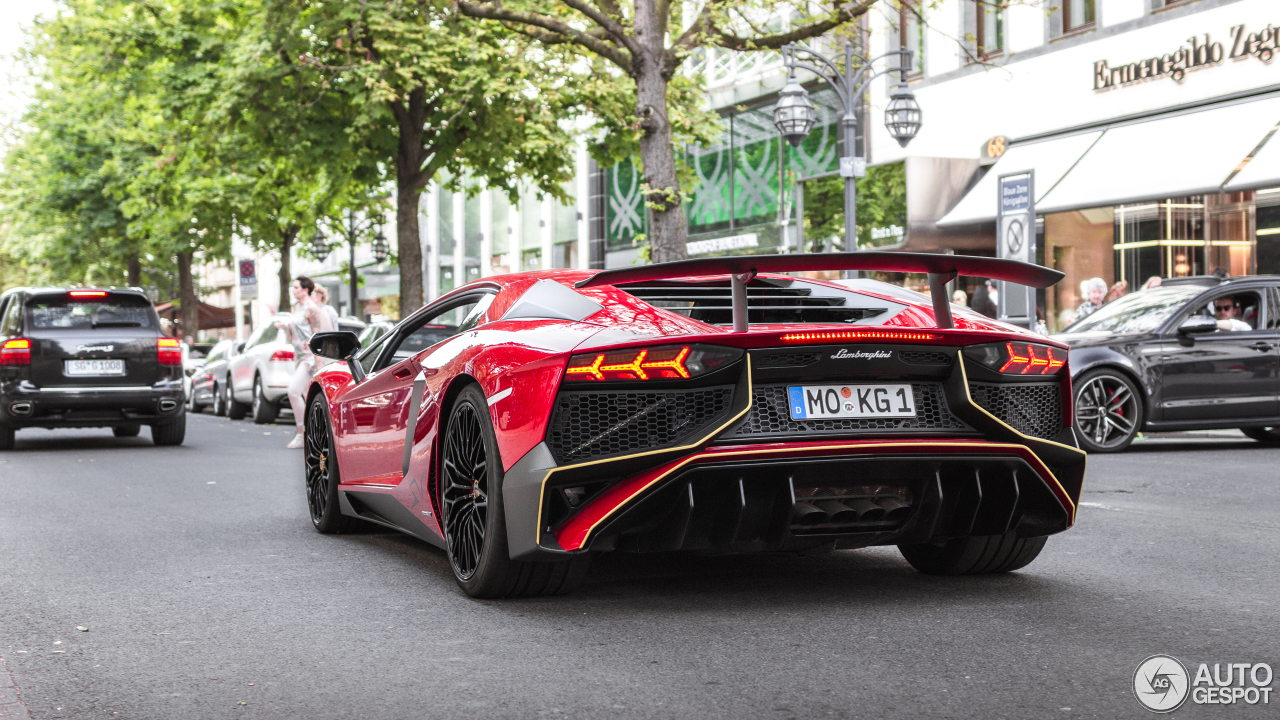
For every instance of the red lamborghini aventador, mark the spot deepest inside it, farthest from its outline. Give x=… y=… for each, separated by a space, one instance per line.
x=523 y=422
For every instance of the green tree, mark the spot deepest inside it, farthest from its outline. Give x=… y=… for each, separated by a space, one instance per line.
x=648 y=40
x=882 y=202
x=427 y=93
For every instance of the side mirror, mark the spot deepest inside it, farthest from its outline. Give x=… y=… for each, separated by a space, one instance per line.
x=239 y=348
x=1197 y=324
x=339 y=345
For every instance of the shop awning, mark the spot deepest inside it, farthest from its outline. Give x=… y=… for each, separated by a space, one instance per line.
x=1262 y=171
x=1186 y=154
x=1051 y=159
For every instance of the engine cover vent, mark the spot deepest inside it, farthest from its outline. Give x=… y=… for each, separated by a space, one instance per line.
x=1031 y=409
x=594 y=424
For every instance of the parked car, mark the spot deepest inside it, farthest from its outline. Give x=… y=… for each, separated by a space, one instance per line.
x=88 y=357
x=374 y=332
x=351 y=323
x=1167 y=359
x=193 y=358
x=525 y=422
x=207 y=384
x=259 y=374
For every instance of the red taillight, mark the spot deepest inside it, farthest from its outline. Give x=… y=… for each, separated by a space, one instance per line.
x=169 y=351
x=87 y=294
x=16 y=352
x=282 y=356
x=1018 y=358
x=668 y=362
x=842 y=335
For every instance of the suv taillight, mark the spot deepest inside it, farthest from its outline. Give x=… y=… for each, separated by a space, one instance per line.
x=667 y=362
x=168 y=351
x=15 y=352
x=1019 y=358
x=282 y=356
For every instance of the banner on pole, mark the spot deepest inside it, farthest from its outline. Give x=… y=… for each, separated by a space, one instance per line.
x=248 y=279
x=1016 y=240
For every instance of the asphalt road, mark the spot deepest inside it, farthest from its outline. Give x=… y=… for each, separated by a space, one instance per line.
x=206 y=594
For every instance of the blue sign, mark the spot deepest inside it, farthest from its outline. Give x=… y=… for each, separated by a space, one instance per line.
x=1015 y=194
x=797 y=403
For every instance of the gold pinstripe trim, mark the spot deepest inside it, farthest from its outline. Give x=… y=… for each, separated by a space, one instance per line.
x=691 y=458
x=542 y=492
x=964 y=375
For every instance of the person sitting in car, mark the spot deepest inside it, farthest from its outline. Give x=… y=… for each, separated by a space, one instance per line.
x=1226 y=310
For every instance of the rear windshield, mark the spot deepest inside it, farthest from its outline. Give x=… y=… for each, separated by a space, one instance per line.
x=61 y=312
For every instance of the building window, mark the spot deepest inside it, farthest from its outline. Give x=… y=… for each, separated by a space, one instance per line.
x=989 y=28
x=1077 y=15
x=911 y=34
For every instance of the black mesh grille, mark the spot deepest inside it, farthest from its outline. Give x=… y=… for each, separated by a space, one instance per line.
x=1034 y=410
x=770 y=416
x=920 y=357
x=593 y=424
x=787 y=360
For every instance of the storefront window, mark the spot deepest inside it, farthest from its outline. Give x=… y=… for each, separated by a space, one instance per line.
x=1230 y=240
x=1160 y=239
x=625 y=214
x=990 y=28
x=1267 y=222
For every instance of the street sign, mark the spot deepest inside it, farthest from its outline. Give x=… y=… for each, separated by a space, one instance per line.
x=1016 y=240
x=248 y=279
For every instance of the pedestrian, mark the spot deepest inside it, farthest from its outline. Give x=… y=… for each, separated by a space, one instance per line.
x=321 y=296
x=1117 y=291
x=308 y=319
x=982 y=302
x=959 y=298
x=1094 y=291
x=1152 y=282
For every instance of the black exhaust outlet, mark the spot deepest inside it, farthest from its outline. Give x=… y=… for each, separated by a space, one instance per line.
x=805 y=514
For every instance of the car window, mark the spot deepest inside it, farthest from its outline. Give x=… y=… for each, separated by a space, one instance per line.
x=1273 y=309
x=12 y=317
x=1139 y=312
x=64 y=312
x=368 y=357
x=456 y=318
x=1245 y=307
x=256 y=338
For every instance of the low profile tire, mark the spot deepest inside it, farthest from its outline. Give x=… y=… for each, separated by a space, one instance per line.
x=1264 y=435
x=126 y=430
x=321 y=469
x=978 y=555
x=264 y=411
x=6 y=437
x=219 y=401
x=170 y=432
x=236 y=410
x=475 y=527
x=1108 y=408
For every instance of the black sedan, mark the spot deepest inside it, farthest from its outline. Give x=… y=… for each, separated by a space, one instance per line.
x=1193 y=354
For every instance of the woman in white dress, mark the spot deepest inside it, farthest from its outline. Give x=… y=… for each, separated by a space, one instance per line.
x=308 y=319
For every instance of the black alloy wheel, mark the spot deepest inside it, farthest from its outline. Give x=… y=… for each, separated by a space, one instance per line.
x=474 y=525
x=321 y=469
x=1108 y=411
x=465 y=494
x=1264 y=435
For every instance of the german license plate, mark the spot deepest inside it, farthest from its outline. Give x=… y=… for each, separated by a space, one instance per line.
x=821 y=402
x=90 y=368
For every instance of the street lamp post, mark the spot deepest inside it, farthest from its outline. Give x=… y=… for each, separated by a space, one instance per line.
x=320 y=248
x=794 y=115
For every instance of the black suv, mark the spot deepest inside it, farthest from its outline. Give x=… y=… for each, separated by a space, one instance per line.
x=86 y=357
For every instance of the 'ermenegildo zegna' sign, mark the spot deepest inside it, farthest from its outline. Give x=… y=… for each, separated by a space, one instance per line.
x=1196 y=54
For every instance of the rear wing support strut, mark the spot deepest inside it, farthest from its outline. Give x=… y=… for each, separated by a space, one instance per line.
x=941 y=270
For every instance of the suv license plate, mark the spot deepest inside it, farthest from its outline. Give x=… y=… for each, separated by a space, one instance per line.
x=821 y=402
x=90 y=368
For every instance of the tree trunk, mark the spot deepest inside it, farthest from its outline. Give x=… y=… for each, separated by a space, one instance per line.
x=666 y=211
x=135 y=270
x=190 y=323
x=287 y=237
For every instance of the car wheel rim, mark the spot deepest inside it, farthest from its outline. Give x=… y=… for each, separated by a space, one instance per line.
x=464 y=498
x=257 y=398
x=319 y=457
x=1106 y=411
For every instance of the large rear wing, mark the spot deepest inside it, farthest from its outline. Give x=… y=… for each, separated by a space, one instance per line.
x=941 y=269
